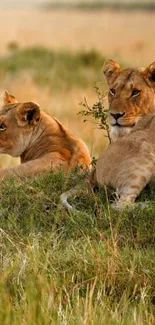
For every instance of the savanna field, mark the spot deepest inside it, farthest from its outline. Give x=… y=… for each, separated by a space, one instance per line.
x=97 y=266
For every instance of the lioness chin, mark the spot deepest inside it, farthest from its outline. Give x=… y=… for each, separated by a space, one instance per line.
x=40 y=140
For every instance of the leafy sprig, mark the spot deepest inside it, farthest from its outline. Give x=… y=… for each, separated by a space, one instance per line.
x=97 y=111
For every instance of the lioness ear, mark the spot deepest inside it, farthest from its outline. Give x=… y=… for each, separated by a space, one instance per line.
x=28 y=114
x=149 y=73
x=110 y=70
x=8 y=99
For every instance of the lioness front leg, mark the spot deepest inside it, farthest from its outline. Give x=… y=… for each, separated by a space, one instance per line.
x=132 y=188
x=52 y=161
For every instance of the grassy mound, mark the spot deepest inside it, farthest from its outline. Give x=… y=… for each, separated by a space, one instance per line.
x=88 y=268
x=60 y=70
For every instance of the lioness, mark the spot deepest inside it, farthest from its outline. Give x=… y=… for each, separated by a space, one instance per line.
x=127 y=164
x=41 y=141
x=131 y=96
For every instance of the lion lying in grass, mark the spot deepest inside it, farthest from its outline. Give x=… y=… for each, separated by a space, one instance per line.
x=40 y=140
x=127 y=164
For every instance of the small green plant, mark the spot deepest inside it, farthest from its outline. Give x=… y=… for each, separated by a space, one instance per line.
x=97 y=111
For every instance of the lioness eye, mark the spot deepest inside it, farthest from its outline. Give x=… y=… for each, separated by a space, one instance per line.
x=112 y=91
x=135 y=93
x=2 y=127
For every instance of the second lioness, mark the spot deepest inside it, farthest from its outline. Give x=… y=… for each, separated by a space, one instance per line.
x=127 y=165
x=40 y=140
x=131 y=99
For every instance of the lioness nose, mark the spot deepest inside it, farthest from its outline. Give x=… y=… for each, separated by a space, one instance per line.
x=117 y=115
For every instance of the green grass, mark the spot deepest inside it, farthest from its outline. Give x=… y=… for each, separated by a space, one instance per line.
x=59 y=70
x=89 y=268
x=98 y=5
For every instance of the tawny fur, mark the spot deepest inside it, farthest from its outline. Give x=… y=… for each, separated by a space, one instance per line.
x=131 y=94
x=129 y=164
x=40 y=140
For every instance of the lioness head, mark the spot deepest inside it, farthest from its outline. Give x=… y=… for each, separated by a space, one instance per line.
x=17 y=122
x=131 y=95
